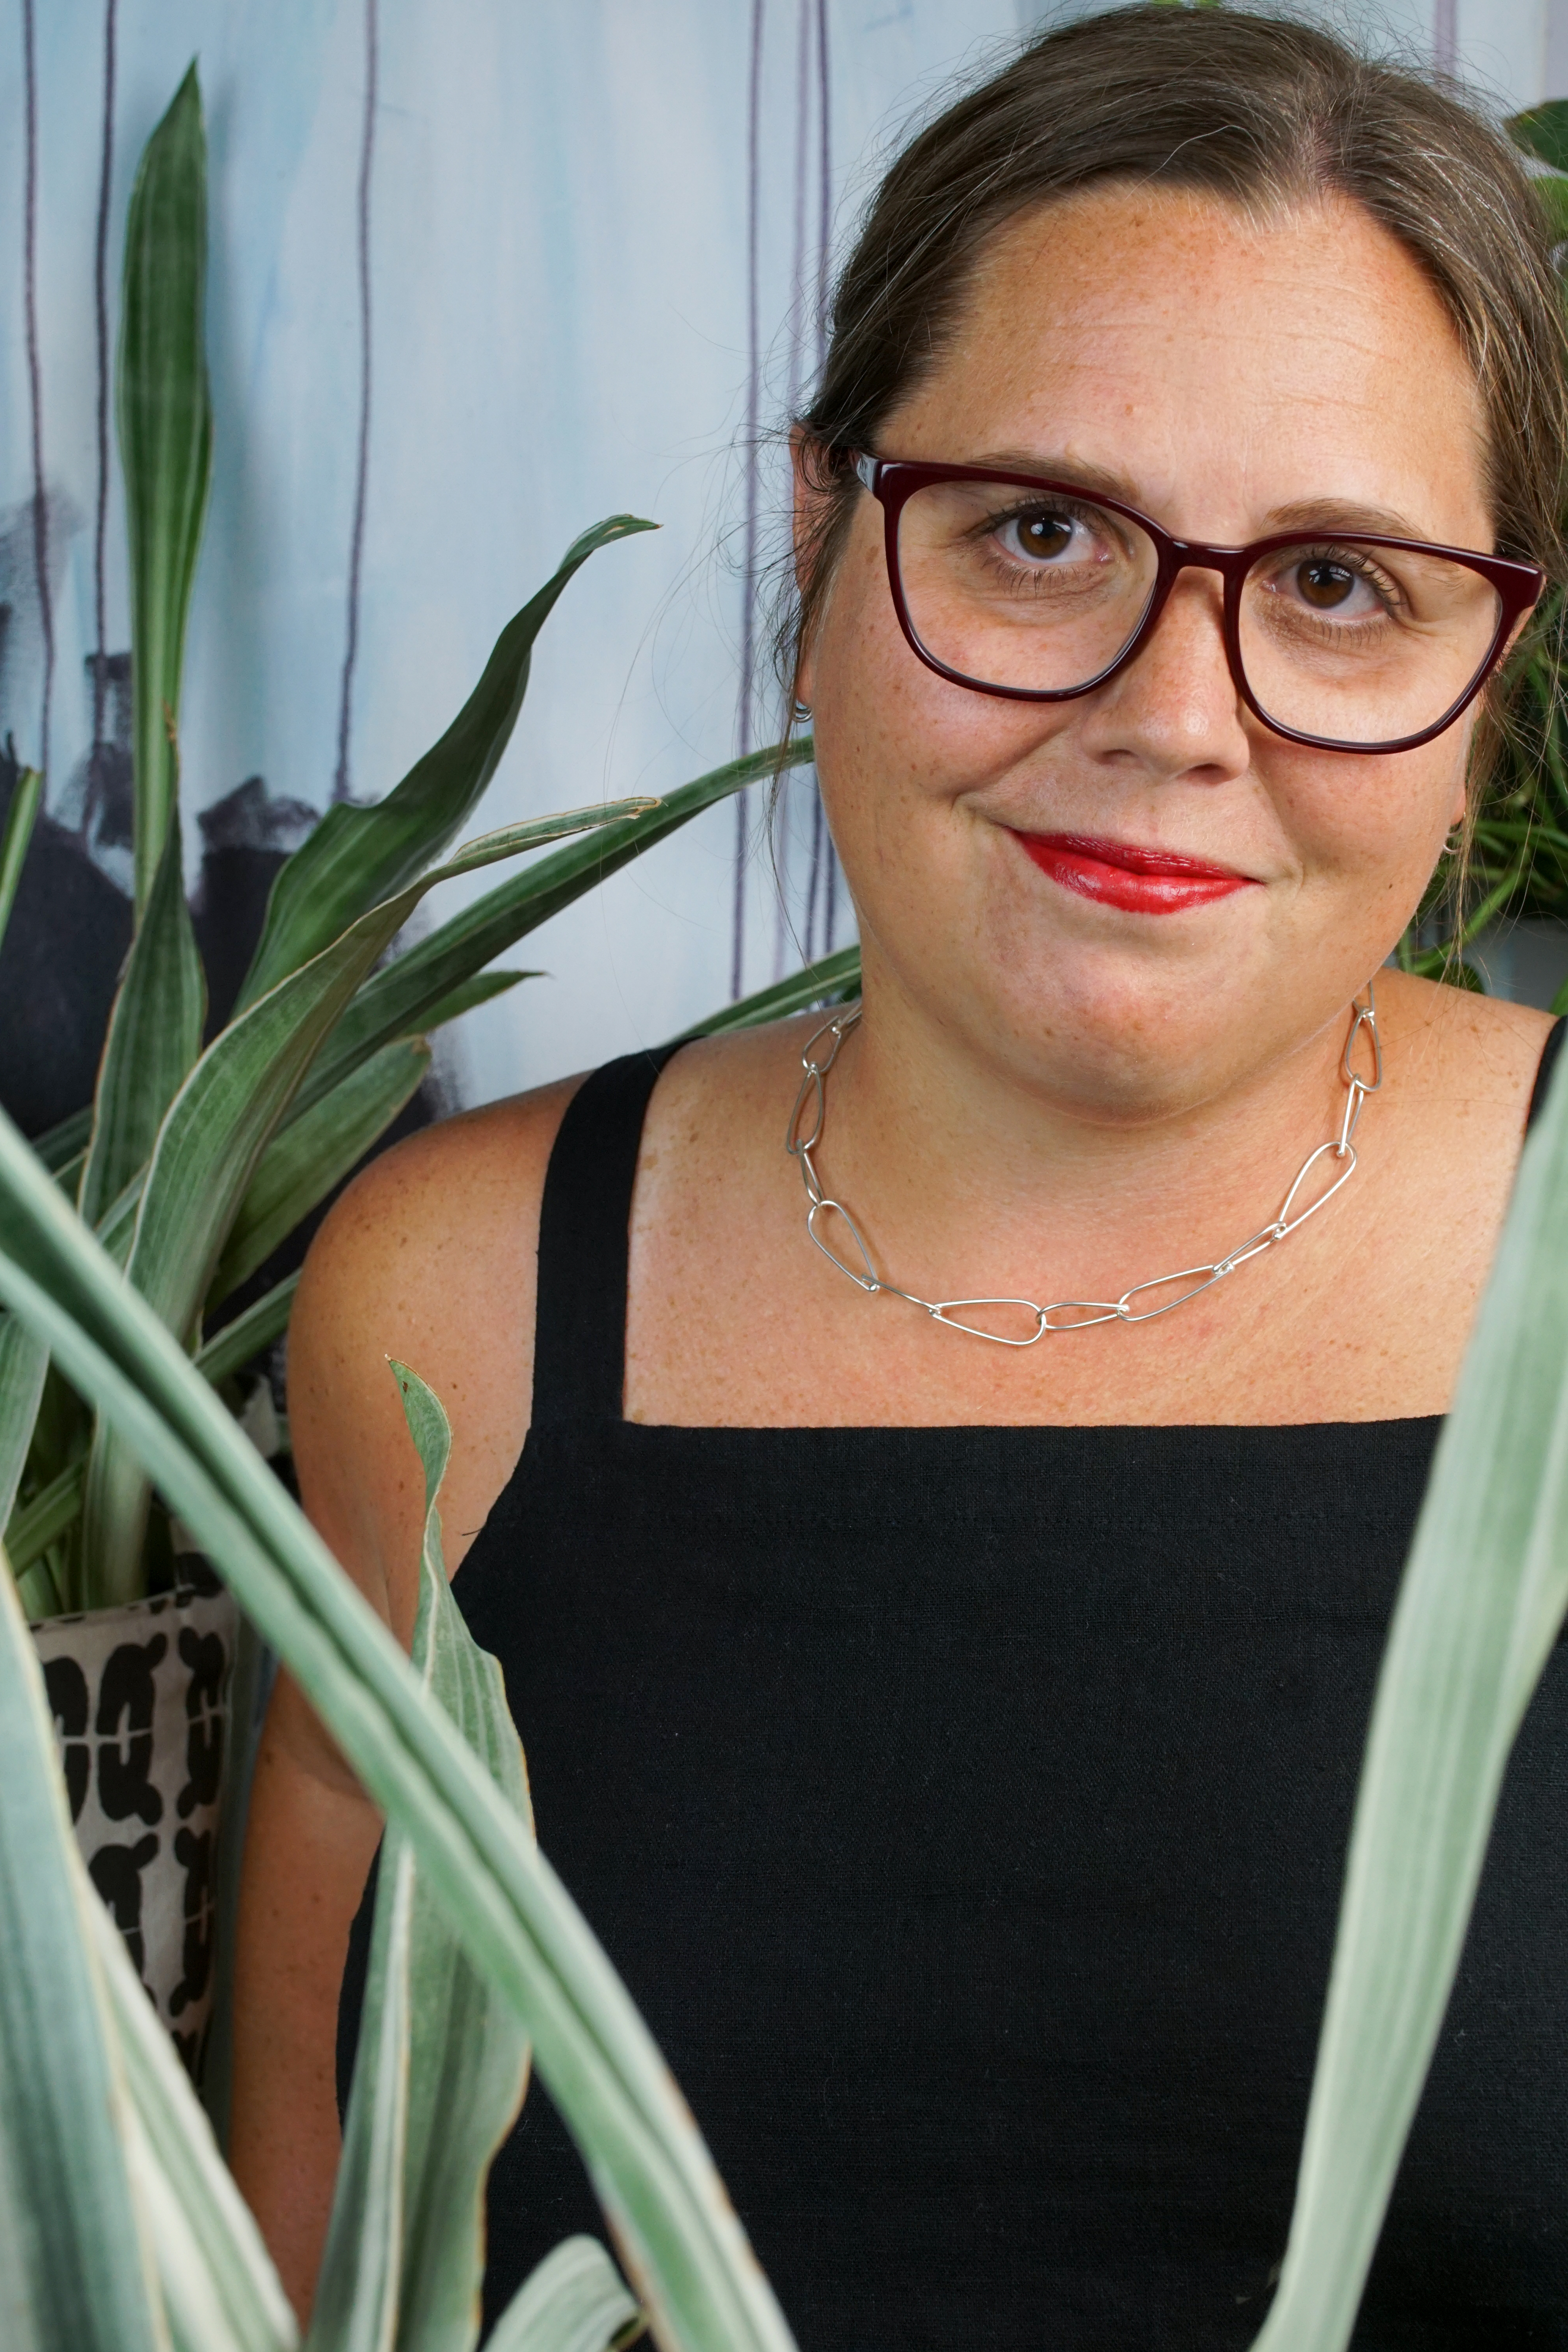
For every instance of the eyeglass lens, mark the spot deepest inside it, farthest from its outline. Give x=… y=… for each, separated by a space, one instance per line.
x=1349 y=642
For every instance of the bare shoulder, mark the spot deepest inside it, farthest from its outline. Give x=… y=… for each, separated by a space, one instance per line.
x=429 y=1257
x=712 y=1140
x=1460 y=1052
x=734 y=1078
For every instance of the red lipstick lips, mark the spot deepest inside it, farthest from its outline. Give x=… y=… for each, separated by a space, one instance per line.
x=1139 y=881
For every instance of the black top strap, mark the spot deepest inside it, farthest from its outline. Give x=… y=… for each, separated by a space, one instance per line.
x=580 y=1319
x=1549 y=1052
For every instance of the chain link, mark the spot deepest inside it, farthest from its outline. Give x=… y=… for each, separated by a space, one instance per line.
x=1077 y=1314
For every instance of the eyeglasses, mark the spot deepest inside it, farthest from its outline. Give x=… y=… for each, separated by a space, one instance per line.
x=1018 y=586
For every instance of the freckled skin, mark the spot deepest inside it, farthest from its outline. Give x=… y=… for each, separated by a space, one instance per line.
x=1047 y=1096
x=1226 y=372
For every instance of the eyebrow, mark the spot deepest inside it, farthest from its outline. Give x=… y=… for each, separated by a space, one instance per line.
x=1347 y=516
x=1080 y=471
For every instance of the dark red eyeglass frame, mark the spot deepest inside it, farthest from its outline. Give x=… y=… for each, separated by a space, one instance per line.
x=893 y=482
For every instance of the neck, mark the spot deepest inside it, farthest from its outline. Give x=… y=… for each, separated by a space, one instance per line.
x=967 y=1171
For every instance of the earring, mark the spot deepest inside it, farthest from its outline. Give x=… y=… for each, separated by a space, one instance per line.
x=800 y=712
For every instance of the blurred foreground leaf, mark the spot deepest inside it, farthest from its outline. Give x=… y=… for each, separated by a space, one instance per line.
x=574 y=2302
x=75 y=2274
x=516 y=1922
x=1482 y=1602
x=406 y=2257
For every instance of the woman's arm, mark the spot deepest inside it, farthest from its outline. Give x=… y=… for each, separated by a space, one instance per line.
x=429 y=1256
x=311 y=1837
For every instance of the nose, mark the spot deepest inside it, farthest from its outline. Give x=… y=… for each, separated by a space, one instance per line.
x=1177 y=710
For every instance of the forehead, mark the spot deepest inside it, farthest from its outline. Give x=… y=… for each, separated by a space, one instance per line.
x=1217 y=359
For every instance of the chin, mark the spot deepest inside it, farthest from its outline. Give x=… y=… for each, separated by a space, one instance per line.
x=1121 y=1029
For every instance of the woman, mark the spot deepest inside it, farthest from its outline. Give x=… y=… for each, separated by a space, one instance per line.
x=954 y=1742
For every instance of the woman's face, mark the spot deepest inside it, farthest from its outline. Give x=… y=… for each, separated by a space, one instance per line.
x=1224 y=376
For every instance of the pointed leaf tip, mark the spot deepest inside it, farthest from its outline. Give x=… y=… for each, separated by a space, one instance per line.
x=165 y=425
x=604 y=534
x=427 y=1425
x=360 y=854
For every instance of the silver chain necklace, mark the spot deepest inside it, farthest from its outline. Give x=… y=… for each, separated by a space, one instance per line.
x=1080 y=1313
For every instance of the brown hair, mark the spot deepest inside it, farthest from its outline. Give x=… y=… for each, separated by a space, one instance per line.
x=1260 y=112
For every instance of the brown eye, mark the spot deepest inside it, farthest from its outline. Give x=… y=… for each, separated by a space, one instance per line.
x=1041 y=534
x=1324 y=584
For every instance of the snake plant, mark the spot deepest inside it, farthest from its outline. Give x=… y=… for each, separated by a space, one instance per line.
x=192 y=1163
x=119 y=2224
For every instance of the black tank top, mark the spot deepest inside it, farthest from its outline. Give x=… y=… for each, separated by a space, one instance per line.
x=966 y=1809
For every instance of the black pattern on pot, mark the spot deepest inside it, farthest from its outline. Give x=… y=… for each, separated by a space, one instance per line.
x=140 y=1699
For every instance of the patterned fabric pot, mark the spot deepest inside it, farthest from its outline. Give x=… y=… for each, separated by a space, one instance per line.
x=141 y=1701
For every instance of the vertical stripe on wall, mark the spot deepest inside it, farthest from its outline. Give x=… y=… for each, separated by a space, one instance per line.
x=753 y=414
x=100 y=322
x=806 y=327
x=822 y=851
x=35 y=378
x=363 y=456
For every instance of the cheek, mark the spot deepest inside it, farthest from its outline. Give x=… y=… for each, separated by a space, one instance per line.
x=1386 y=814
x=891 y=735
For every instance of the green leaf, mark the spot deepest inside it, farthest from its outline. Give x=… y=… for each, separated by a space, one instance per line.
x=465 y=2083
x=154 y=1036
x=23 y=1365
x=574 y=2302
x=356 y=855
x=38 y=1524
x=1483 y=1596
x=66 y=1143
x=400 y=999
x=75 y=2273
x=833 y=980
x=39 y=1594
x=480 y=989
x=208 y=1148
x=68 y=1178
x=219 y=2286
x=20 y=819
x=516 y=1921
x=1550 y=190
x=117 y=1227
x=230 y=1350
x=404 y=2257
x=301 y=1165
x=166 y=447
x=357 y=2292
x=1542 y=131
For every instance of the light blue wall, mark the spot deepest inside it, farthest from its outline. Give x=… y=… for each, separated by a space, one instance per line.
x=558 y=273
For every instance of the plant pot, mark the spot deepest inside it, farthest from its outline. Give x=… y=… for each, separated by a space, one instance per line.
x=142 y=1701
